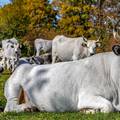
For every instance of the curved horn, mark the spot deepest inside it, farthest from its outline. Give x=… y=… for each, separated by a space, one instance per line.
x=98 y=39
x=116 y=35
x=84 y=38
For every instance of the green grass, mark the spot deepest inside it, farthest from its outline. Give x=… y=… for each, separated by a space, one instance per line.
x=59 y=116
x=46 y=115
x=3 y=78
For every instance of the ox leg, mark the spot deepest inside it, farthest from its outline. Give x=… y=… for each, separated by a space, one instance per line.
x=12 y=106
x=54 y=52
x=74 y=57
x=12 y=94
x=92 y=104
x=8 y=64
x=54 y=56
x=37 y=52
x=53 y=59
x=76 y=54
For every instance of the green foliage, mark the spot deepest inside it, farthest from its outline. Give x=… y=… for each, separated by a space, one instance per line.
x=13 y=22
x=20 y=18
x=30 y=19
x=46 y=115
x=75 y=17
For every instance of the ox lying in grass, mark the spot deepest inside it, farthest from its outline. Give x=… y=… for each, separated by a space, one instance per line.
x=90 y=84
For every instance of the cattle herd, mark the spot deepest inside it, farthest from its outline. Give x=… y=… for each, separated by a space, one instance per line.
x=91 y=84
x=61 y=48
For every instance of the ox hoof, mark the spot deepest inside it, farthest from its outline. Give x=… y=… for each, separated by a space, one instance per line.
x=33 y=109
x=89 y=110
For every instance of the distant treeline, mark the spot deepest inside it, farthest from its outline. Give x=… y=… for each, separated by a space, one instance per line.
x=30 y=19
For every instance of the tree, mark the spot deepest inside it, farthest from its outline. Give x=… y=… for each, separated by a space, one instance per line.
x=75 y=17
x=13 y=22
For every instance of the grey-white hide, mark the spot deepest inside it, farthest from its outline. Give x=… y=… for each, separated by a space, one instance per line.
x=92 y=83
x=42 y=45
x=2 y=63
x=1 y=53
x=6 y=41
x=67 y=49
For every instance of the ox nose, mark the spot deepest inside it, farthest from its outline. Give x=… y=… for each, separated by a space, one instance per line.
x=16 y=52
x=91 y=54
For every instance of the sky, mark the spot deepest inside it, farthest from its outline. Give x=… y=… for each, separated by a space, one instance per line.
x=3 y=2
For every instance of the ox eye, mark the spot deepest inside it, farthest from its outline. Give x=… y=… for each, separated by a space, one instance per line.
x=12 y=46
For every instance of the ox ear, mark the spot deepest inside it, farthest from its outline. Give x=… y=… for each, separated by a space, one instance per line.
x=85 y=39
x=98 y=44
x=84 y=44
x=116 y=49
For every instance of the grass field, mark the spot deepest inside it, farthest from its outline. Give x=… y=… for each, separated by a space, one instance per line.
x=49 y=116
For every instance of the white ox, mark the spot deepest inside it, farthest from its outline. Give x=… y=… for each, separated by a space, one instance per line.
x=42 y=45
x=67 y=49
x=11 y=52
x=116 y=27
x=90 y=84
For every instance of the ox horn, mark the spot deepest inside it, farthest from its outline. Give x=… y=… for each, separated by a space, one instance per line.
x=84 y=38
x=98 y=40
x=115 y=33
x=111 y=19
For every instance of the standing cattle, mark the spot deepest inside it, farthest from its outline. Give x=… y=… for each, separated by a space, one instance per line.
x=116 y=27
x=90 y=84
x=67 y=49
x=42 y=45
x=11 y=52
